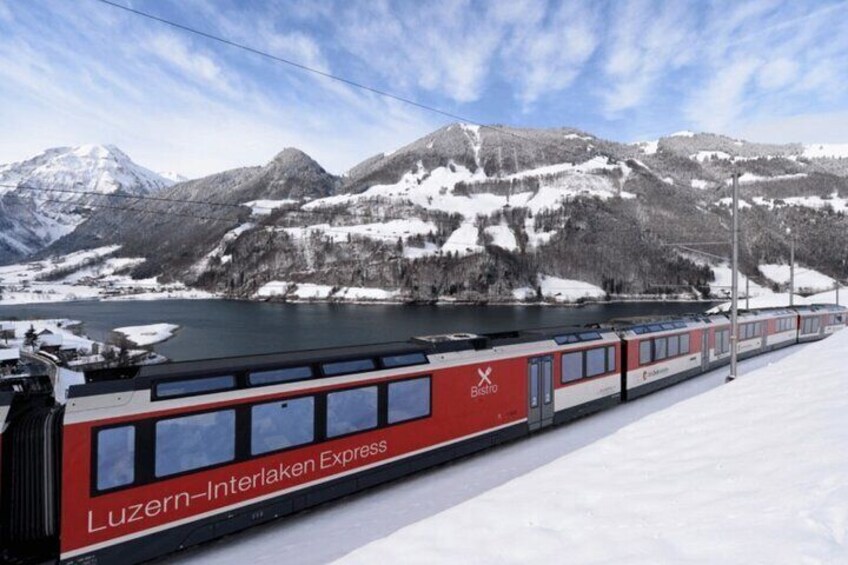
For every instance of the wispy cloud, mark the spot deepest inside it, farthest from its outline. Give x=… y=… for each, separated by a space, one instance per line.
x=77 y=72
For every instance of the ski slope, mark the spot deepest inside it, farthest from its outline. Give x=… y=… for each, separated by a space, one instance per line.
x=334 y=530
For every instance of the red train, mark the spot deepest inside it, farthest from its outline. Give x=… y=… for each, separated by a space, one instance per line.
x=142 y=462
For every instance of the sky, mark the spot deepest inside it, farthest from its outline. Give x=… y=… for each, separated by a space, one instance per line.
x=80 y=71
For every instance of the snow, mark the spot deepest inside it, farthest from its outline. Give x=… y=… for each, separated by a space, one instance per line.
x=728 y=201
x=380 y=512
x=598 y=163
x=721 y=286
x=534 y=238
x=149 y=334
x=708 y=155
x=578 y=136
x=751 y=472
x=78 y=171
x=649 y=147
x=684 y=133
x=265 y=207
x=567 y=290
x=833 y=202
x=700 y=184
x=833 y=150
x=88 y=275
x=473 y=132
x=502 y=237
x=391 y=230
x=463 y=240
x=805 y=277
x=773 y=300
x=309 y=291
x=749 y=178
x=428 y=250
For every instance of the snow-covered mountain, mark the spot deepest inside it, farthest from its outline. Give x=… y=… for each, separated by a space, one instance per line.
x=44 y=198
x=491 y=214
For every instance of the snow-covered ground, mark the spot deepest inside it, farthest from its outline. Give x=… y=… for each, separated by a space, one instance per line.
x=309 y=291
x=751 y=472
x=333 y=530
x=805 y=277
x=84 y=275
x=833 y=150
x=149 y=334
x=560 y=290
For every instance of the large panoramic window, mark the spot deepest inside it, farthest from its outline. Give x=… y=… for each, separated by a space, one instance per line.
x=645 y=352
x=279 y=375
x=409 y=400
x=596 y=360
x=572 y=366
x=193 y=442
x=346 y=367
x=351 y=411
x=281 y=424
x=115 y=457
x=170 y=389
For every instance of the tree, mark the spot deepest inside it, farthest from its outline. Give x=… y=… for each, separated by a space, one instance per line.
x=30 y=336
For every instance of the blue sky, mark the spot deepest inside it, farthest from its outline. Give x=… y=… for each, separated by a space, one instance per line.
x=78 y=71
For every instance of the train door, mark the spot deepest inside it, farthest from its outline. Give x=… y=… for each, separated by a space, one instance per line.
x=705 y=349
x=540 y=391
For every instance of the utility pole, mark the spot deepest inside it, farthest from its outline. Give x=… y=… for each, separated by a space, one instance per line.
x=791 y=267
x=747 y=293
x=734 y=305
x=836 y=283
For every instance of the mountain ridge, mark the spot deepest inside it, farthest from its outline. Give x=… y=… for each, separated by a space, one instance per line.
x=481 y=214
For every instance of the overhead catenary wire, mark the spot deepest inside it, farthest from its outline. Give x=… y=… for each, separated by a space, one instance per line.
x=318 y=72
x=148 y=197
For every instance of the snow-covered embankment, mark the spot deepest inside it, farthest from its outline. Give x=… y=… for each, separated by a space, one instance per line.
x=751 y=472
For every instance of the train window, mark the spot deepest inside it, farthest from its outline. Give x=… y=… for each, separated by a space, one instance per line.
x=351 y=411
x=684 y=344
x=596 y=361
x=588 y=336
x=404 y=360
x=274 y=376
x=281 y=424
x=610 y=359
x=193 y=442
x=660 y=350
x=673 y=346
x=350 y=366
x=115 y=457
x=645 y=352
x=563 y=339
x=572 y=367
x=170 y=389
x=409 y=400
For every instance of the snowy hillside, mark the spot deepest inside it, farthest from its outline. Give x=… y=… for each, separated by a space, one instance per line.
x=751 y=472
x=491 y=214
x=33 y=216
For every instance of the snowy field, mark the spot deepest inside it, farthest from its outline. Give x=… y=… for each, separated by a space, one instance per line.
x=334 y=530
x=148 y=335
x=752 y=472
x=85 y=275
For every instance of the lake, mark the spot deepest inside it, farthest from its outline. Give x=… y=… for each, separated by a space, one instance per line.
x=223 y=328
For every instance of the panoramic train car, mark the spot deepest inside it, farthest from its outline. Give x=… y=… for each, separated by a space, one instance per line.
x=833 y=317
x=819 y=321
x=781 y=327
x=143 y=461
x=660 y=354
x=187 y=452
x=588 y=369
